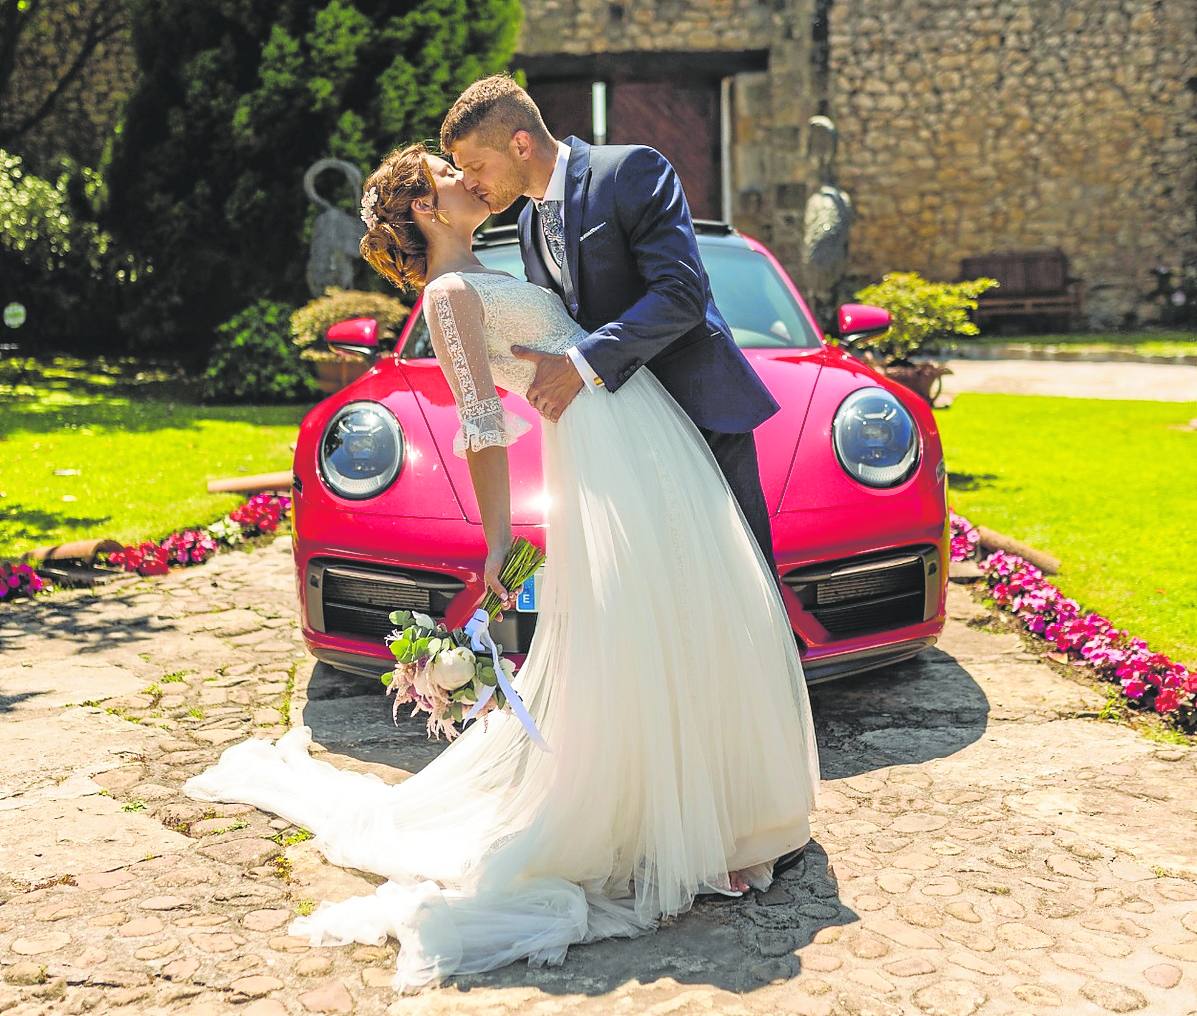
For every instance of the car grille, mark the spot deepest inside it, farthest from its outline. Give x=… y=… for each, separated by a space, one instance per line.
x=356 y=599
x=870 y=593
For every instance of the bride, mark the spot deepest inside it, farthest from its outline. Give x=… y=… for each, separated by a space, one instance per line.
x=662 y=674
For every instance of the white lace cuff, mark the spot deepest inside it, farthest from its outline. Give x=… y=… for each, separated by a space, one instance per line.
x=489 y=424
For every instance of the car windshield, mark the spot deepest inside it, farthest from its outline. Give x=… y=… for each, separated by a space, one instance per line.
x=748 y=292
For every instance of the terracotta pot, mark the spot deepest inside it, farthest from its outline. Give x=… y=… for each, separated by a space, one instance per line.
x=333 y=375
x=925 y=379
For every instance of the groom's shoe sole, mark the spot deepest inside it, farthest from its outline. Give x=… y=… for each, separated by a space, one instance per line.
x=788 y=860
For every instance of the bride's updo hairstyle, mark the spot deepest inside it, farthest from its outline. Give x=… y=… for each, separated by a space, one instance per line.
x=393 y=245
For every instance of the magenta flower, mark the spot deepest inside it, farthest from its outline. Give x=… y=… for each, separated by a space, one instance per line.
x=1133 y=687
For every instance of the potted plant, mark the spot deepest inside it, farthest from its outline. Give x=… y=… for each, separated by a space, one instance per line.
x=925 y=317
x=310 y=324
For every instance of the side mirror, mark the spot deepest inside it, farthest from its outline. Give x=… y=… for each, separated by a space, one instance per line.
x=355 y=337
x=858 y=320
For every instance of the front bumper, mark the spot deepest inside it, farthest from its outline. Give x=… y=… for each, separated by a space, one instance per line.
x=850 y=612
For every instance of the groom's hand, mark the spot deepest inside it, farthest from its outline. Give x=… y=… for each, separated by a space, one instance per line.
x=556 y=383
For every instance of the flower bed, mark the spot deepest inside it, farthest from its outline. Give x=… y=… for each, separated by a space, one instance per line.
x=261 y=514
x=19 y=580
x=1147 y=679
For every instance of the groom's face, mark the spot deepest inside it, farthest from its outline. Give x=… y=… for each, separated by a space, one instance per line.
x=497 y=177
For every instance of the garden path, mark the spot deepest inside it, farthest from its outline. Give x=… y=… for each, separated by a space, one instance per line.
x=985 y=844
x=1153 y=381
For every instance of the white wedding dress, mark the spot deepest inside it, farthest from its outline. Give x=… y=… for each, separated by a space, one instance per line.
x=663 y=675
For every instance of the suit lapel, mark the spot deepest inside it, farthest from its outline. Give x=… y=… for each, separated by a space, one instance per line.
x=577 y=176
x=534 y=266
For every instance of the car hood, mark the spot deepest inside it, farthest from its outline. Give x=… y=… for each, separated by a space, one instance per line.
x=435 y=399
x=790 y=374
x=423 y=489
x=816 y=479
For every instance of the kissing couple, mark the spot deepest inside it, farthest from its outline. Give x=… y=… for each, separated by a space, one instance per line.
x=663 y=673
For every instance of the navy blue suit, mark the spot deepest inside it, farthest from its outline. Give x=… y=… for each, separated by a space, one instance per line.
x=637 y=283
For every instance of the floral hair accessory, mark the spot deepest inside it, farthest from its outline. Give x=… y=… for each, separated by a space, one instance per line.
x=368 y=215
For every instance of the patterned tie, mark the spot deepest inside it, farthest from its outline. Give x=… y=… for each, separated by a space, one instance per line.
x=554 y=232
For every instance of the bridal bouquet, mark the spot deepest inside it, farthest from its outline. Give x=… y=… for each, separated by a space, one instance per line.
x=457 y=675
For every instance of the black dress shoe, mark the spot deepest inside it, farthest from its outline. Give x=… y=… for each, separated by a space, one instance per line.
x=788 y=860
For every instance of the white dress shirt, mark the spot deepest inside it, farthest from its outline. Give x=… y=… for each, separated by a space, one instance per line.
x=555 y=191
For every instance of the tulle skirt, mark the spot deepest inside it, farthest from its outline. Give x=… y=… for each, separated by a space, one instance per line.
x=665 y=678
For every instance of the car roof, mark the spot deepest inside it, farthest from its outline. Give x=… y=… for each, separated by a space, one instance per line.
x=708 y=232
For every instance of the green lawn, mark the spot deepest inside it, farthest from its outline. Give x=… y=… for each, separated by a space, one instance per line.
x=145 y=451
x=1159 y=341
x=1109 y=487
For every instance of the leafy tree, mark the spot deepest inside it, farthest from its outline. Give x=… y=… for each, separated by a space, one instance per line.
x=236 y=99
x=58 y=61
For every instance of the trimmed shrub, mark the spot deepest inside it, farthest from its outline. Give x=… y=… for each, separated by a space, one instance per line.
x=926 y=315
x=254 y=359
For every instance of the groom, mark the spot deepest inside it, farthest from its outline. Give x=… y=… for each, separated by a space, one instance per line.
x=608 y=228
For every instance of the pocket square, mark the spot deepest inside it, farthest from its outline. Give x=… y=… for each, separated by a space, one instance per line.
x=591 y=231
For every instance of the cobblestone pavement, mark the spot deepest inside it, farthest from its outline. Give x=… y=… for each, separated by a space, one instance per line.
x=986 y=843
x=1156 y=381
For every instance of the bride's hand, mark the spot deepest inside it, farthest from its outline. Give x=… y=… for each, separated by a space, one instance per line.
x=490 y=574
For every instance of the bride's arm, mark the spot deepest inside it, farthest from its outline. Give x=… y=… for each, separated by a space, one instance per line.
x=454 y=314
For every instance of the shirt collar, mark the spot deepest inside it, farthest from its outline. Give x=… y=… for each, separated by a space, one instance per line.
x=555 y=191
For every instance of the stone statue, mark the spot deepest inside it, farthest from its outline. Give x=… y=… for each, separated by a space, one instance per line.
x=336 y=234
x=826 y=224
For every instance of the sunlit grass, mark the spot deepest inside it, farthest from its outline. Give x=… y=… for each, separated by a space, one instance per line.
x=1107 y=486
x=143 y=448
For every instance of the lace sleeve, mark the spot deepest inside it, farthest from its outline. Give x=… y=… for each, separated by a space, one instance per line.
x=455 y=316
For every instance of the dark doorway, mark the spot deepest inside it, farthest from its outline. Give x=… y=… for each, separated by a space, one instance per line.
x=680 y=119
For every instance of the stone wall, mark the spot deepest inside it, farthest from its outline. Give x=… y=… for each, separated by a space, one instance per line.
x=1003 y=124
x=965 y=125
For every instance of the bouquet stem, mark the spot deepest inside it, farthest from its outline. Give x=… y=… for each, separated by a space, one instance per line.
x=519 y=565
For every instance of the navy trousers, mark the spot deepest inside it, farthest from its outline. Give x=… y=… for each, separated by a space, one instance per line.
x=736 y=455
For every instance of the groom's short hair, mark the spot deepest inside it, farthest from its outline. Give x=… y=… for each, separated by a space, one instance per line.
x=494 y=108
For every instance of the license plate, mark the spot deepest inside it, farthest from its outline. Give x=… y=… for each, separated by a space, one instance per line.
x=529 y=594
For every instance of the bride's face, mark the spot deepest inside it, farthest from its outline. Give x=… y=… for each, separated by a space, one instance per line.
x=459 y=205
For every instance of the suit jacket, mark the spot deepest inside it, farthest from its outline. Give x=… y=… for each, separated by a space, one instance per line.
x=634 y=279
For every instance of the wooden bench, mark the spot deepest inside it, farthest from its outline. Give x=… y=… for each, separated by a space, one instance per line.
x=1032 y=282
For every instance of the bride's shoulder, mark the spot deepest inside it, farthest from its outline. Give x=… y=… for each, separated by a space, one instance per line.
x=446 y=282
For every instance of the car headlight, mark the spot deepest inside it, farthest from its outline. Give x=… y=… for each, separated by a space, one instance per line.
x=362 y=450
x=875 y=438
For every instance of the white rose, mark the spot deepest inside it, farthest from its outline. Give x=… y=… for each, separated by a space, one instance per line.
x=508 y=667
x=452 y=668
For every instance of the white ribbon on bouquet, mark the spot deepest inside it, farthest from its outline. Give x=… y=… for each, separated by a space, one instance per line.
x=478 y=629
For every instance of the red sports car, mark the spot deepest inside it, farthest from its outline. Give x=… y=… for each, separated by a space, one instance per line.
x=385 y=515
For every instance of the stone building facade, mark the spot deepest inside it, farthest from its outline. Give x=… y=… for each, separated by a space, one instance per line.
x=966 y=126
